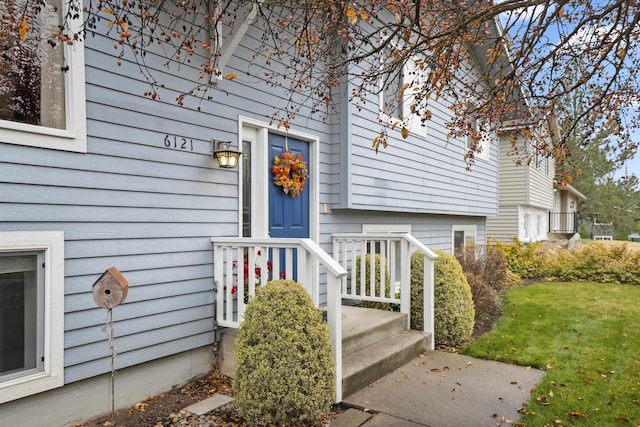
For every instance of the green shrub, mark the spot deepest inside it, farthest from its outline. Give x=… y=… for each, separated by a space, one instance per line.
x=584 y=234
x=487 y=274
x=285 y=373
x=593 y=262
x=597 y=263
x=453 y=304
x=367 y=291
x=523 y=259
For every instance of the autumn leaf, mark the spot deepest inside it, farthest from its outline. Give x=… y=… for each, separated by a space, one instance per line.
x=141 y=406
x=404 y=132
x=351 y=14
x=402 y=89
x=124 y=25
x=576 y=414
x=108 y=11
x=22 y=30
x=231 y=76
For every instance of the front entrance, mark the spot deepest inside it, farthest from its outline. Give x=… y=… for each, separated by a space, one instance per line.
x=288 y=217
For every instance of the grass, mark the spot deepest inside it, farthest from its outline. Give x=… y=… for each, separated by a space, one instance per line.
x=587 y=338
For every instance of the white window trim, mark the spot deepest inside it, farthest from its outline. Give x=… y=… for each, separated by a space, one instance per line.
x=387 y=228
x=52 y=375
x=486 y=138
x=467 y=229
x=410 y=121
x=74 y=136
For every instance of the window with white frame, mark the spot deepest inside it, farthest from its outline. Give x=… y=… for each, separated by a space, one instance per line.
x=42 y=95
x=462 y=236
x=527 y=227
x=479 y=139
x=400 y=102
x=31 y=313
x=541 y=226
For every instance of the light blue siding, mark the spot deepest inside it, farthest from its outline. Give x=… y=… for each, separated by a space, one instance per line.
x=149 y=210
x=425 y=173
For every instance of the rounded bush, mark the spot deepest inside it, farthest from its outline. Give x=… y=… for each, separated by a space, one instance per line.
x=285 y=373
x=453 y=303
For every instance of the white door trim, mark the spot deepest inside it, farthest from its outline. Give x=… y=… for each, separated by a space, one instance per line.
x=257 y=133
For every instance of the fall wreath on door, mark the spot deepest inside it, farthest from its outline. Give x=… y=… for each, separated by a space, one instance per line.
x=290 y=172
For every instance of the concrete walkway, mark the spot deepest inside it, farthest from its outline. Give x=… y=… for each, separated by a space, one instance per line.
x=442 y=389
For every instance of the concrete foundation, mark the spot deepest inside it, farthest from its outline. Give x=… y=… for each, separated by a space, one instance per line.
x=226 y=358
x=82 y=400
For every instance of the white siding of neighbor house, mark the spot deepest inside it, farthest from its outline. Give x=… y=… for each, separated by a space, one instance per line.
x=150 y=211
x=521 y=187
x=540 y=186
x=504 y=227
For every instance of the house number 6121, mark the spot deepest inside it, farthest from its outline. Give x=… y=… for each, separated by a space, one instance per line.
x=178 y=142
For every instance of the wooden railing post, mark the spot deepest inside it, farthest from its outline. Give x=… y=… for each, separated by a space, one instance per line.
x=429 y=300
x=334 y=322
x=405 y=280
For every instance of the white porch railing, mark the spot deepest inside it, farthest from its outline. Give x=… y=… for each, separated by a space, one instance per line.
x=241 y=264
x=394 y=252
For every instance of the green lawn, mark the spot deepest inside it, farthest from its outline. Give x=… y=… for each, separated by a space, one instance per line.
x=587 y=337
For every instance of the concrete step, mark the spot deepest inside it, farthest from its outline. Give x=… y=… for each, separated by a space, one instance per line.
x=368 y=364
x=362 y=327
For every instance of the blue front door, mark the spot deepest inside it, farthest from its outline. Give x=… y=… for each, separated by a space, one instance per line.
x=288 y=217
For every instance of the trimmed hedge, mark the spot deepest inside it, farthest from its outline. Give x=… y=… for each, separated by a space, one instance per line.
x=595 y=262
x=454 y=311
x=285 y=373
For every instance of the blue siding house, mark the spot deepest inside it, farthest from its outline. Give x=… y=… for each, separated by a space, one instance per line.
x=101 y=175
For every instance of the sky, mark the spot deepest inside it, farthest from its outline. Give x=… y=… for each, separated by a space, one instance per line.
x=632 y=166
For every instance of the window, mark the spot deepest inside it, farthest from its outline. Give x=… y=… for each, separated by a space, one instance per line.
x=400 y=102
x=541 y=227
x=41 y=104
x=527 y=227
x=482 y=133
x=463 y=235
x=31 y=313
x=246 y=189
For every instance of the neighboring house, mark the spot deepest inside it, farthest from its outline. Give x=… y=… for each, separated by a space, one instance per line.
x=100 y=175
x=526 y=191
x=563 y=220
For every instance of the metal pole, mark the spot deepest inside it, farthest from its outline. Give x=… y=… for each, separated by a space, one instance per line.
x=109 y=330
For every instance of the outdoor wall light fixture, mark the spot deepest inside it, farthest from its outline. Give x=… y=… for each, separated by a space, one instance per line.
x=226 y=156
